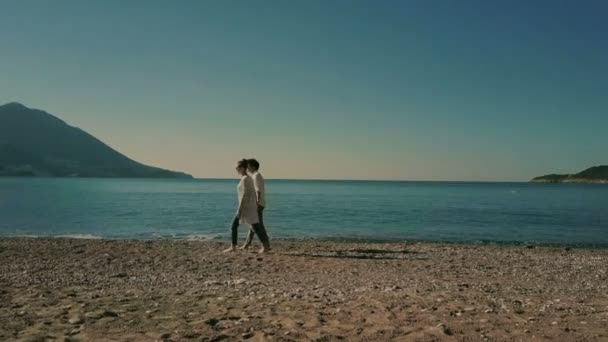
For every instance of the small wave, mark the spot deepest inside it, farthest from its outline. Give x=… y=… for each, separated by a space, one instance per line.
x=31 y=236
x=80 y=236
x=201 y=237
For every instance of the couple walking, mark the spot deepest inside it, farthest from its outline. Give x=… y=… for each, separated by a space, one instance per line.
x=251 y=205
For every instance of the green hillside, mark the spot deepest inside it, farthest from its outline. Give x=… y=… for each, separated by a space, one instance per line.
x=596 y=174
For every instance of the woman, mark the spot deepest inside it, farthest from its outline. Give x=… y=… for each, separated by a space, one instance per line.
x=247 y=212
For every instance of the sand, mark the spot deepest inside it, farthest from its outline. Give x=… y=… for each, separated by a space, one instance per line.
x=99 y=290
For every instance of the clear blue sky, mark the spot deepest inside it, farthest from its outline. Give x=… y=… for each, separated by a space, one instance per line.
x=439 y=90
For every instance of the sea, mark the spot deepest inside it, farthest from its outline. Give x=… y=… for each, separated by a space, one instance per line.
x=378 y=211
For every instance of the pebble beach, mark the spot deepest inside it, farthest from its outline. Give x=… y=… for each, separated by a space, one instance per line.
x=164 y=290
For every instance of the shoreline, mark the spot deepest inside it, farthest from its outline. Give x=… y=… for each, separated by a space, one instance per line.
x=175 y=290
x=338 y=240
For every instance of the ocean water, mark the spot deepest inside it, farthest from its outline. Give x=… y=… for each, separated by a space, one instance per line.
x=573 y=214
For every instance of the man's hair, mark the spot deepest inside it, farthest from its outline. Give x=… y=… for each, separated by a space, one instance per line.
x=253 y=163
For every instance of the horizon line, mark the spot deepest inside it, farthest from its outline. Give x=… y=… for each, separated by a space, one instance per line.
x=369 y=180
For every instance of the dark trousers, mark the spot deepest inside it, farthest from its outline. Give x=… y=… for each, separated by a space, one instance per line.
x=258 y=228
x=262 y=229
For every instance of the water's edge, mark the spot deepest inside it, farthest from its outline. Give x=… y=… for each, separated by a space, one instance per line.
x=567 y=246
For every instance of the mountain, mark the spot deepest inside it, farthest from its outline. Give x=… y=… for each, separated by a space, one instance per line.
x=36 y=143
x=596 y=174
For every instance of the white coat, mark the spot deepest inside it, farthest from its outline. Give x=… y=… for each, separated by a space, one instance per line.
x=248 y=201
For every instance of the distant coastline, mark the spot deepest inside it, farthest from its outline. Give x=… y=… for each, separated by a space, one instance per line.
x=592 y=175
x=571 y=180
x=34 y=143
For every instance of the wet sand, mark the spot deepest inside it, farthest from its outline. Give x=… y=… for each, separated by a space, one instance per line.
x=98 y=290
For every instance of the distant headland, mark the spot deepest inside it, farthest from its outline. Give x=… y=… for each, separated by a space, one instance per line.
x=596 y=174
x=36 y=143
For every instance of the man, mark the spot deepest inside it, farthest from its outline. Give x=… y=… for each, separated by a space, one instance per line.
x=253 y=166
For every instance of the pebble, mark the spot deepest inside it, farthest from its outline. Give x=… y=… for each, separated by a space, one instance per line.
x=93 y=315
x=239 y=281
x=212 y=321
x=71 y=339
x=445 y=329
x=211 y=282
x=75 y=320
x=109 y=313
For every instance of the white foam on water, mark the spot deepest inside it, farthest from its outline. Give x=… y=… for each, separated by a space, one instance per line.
x=201 y=237
x=80 y=236
x=32 y=236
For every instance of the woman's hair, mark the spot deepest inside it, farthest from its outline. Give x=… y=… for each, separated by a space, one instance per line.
x=242 y=163
x=253 y=163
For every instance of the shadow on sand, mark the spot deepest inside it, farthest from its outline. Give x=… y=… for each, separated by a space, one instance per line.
x=378 y=254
